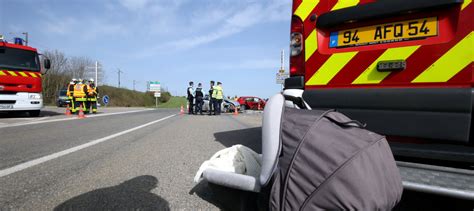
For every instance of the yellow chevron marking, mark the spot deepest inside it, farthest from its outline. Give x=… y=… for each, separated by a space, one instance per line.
x=311 y=44
x=2 y=73
x=465 y=3
x=33 y=75
x=451 y=63
x=330 y=68
x=345 y=3
x=40 y=75
x=305 y=8
x=12 y=73
x=372 y=76
x=23 y=74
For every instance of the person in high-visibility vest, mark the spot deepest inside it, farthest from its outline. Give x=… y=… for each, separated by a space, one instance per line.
x=218 y=95
x=79 y=94
x=70 y=94
x=92 y=93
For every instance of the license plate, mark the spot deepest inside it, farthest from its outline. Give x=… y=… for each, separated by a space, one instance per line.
x=385 y=33
x=6 y=106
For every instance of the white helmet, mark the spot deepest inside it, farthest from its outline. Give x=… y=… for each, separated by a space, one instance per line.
x=79 y=81
x=91 y=80
x=74 y=80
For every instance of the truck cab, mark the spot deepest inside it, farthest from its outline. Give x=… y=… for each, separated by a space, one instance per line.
x=402 y=67
x=20 y=78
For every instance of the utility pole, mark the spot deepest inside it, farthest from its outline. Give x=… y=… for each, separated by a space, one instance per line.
x=96 y=67
x=118 y=72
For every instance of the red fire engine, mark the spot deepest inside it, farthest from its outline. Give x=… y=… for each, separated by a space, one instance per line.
x=20 y=78
x=403 y=67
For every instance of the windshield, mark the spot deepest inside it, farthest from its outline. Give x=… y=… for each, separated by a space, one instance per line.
x=18 y=59
x=62 y=93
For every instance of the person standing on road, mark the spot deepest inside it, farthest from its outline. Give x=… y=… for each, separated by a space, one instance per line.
x=199 y=95
x=80 y=91
x=191 y=98
x=211 y=99
x=70 y=95
x=218 y=94
x=92 y=95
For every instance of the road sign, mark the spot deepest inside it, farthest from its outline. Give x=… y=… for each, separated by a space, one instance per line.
x=154 y=86
x=157 y=94
x=280 y=77
x=105 y=99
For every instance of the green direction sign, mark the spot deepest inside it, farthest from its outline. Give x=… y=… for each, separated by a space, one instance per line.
x=154 y=86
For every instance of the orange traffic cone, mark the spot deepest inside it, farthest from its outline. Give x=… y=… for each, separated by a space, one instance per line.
x=236 y=111
x=68 y=110
x=81 y=113
x=182 y=110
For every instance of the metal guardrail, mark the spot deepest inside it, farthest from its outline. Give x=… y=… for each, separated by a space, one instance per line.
x=458 y=183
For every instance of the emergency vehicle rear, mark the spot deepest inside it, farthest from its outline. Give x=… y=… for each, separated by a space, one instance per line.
x=402 y=67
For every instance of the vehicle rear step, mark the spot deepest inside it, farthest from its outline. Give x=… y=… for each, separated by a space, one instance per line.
x=458 y=183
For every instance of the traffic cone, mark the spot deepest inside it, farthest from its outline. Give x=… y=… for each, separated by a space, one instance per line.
x=236 y=111
x=68 y=110
x=182 y=110
x=81 y=113
x=259 y=107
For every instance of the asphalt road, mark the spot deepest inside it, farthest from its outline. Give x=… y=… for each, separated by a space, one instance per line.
x=129 y=159
x=150 y=167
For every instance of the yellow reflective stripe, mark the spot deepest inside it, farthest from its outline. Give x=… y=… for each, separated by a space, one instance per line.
x=372 y=76
x=345 y=3
x=330 y=68
x=2 y=73
x=451 y=63
x=39 y=74
x=23 y=74
x=33 y=75
x=465 y=3
x=305 y=8
x=12 y=73
x=310 y=44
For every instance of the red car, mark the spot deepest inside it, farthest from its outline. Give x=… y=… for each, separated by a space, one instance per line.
x=251 y=103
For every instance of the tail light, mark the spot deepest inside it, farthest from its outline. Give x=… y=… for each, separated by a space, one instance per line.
x=297 y=58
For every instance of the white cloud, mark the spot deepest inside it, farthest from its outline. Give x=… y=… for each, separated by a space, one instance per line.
x=226 y=21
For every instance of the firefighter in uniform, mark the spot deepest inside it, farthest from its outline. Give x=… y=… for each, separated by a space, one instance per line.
x=70 y=94
x=211 y=99
x=218 y=95
x=92 y=93
x=79 y=94
x=198 y=96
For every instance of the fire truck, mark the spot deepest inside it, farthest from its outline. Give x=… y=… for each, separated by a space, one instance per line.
x=405 y=68
x=20 y=78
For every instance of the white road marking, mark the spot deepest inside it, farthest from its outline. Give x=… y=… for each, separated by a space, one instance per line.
x=69 y=118
x=46 y=158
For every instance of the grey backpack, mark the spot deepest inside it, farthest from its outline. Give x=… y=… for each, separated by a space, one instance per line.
x=330 y=162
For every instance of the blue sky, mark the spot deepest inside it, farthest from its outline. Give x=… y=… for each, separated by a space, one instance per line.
x=172 y=41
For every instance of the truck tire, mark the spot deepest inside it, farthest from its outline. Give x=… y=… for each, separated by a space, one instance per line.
x=34 y=113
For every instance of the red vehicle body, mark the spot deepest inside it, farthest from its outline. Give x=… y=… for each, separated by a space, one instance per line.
x=251 y=103
x=20 y=79
x=403 y=67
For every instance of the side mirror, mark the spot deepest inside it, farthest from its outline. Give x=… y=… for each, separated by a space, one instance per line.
x=47 y=63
